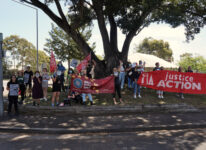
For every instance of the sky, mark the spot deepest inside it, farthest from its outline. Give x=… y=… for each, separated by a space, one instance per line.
x=17 y=19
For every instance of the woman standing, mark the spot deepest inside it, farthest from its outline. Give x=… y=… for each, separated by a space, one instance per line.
x=180 y=94
x=37 y=92
x=20 y=80
x=13 y=88
x=117 y=86
x=45 y=79
x=56 y=89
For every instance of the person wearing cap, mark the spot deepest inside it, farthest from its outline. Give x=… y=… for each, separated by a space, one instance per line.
x=28 y=75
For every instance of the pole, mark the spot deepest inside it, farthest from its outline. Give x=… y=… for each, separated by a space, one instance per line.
x=37 y=40
x=1 y=77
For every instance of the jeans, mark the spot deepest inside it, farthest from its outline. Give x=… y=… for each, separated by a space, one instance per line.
x=130 y=82
x=136 y=89
x=121 y=79
x=84 y=97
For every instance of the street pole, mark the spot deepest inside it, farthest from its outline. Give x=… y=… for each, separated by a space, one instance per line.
x=37 y=40
x=1 y=77
x=37 y=33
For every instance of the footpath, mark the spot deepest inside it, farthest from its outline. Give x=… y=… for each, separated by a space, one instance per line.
x=103 y=119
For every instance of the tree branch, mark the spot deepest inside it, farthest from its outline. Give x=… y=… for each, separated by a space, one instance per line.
x=60 y=10
x=98 y=8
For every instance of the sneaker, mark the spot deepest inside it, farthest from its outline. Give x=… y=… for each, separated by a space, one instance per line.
x=34 y=103
x=45 y=99
x=139 y=96
x=162 y=96
x=159 y=96
x=57 y=104
x=52 y=105
x=182 y=97
x=135 y=96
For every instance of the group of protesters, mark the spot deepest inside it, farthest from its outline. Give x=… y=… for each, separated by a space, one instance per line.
x=35 y=85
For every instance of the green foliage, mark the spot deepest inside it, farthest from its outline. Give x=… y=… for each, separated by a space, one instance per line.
x=18 y=48
x=24 y=51
x=198 y=63
x=63 y=46
x=158 y=48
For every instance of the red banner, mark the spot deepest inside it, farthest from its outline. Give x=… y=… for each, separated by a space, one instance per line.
x=83 y=63
x=173 y=81
x=83 y=84
x=53 y=65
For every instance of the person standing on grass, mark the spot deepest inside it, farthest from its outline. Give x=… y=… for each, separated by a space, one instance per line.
x=37 y=91
x=129 y=75
x=22 y=87
x=135 y=76
x=61 y=68
x=117 y=86
x=56 y=89
x=84 y=74
x=28 y=75
x=157 y=68
x=45 y=79
x=180 y=94
x=13 y=88
x=122 y=67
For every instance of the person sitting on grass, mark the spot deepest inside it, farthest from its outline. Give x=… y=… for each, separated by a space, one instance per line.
x=117 y=86
x=13 y=88
x=37 y=91
x=56 y=89
x=74 y=97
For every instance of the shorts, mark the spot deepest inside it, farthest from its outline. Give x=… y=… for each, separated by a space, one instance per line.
x=56 y=89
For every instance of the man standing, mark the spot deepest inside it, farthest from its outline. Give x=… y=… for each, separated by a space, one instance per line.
x=28 y=75
x=61 y=68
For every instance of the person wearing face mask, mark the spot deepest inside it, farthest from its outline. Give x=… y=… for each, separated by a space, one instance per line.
x=37 y=91
x=61 y=68
x=135 y=76
x=117 y=86
x=45 y=79
x=56 y=89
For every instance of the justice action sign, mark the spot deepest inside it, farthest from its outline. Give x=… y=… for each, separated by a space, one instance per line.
x=173 y=81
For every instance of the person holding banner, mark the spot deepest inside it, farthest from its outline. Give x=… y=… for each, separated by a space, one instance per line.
x=180 y=94
x=61 y=68
x=157 y=68
x=117 y=86
x=13 y=88
x=84 y=73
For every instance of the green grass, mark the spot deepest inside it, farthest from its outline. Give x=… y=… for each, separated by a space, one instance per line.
x=149 y=96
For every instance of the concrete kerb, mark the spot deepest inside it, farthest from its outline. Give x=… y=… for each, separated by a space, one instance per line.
x=104 y=110
x=90 y=131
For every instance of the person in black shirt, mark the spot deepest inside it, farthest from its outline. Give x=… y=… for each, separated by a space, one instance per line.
x=56 y=87
x=22 y=87
x=157 y=66
x=28 y=75
x=117 y=86
x=135 y=76
x=13 y=88
x=189 y=69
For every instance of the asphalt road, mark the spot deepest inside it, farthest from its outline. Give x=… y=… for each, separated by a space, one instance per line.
x=150 y=140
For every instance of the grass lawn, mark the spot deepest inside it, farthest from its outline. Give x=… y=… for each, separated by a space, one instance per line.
x=149 y=96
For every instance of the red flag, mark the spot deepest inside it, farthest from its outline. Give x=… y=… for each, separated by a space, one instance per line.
x=53 y=65
x=84 y=63
x=83 y=84
x=173 y=81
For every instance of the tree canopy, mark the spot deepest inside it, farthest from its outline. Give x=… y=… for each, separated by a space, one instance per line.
x=23 y=52
x=155 y=47
x=62 y=44
x=131 y=16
